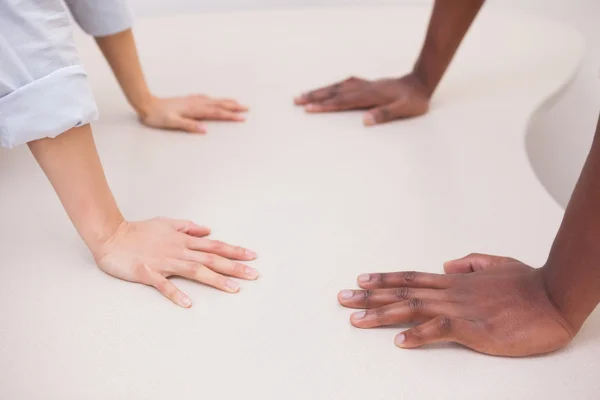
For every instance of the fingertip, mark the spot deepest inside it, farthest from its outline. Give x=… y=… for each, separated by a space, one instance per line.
x=251 y=273
x=300 y=100
x=232 y=286
x=400 y=341
x=357 y=318
x=250 y=254
x=369 y=119
x=185 y=301
x=200 y=128
x=344 y=295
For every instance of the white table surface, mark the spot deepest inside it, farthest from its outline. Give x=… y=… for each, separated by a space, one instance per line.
x=320 y=197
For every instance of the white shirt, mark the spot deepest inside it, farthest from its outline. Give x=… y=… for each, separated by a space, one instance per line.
x=43 y=86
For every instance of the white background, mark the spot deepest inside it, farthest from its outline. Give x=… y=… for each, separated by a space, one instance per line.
x=558 y=141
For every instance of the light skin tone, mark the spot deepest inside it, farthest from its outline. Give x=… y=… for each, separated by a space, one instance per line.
x=175 y=113
x=494 y=305
x=146 y=252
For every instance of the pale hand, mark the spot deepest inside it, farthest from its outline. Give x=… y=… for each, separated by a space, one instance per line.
x=186 y=113
x=149 y=252
x=386 y=99
x=494 y=305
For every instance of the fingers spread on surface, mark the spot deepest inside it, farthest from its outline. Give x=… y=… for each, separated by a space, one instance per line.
x=189 y=227
x=405 y=279
x=230 y=104
x=170 y=291
x=221 y=265
x=220 y=248
x=349 y=100
x=439 y=329
x=202 y=274
x=187 y=125
x=368 y=299
x=412 y=310
x=329 y=91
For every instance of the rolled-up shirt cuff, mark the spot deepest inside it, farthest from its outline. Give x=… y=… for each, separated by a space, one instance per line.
x=47 y=107
x=101 y=17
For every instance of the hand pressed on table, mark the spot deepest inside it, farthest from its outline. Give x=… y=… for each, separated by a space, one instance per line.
x=186 y=113
x=386 y=99
x=149 y=252
x=493 y=305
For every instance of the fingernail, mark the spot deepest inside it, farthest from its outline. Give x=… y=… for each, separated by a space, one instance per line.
x=200 y=128
x=185 y=301
x=364 y=278
x=310 y=107
x=346 y=294
x=233 y=285
x=358 y=315
x=368 y=119
x=250 y=253
x=251 y=273
x=399 y=340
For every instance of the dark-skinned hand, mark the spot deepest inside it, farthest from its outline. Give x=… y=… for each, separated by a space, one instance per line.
x=494 y=305
x=386 y=99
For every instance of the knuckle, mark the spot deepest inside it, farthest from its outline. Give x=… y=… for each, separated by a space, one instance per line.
x=208 y=258
x=367 y=296
x=188 y=269
x=165 y=287
x=142 y=271
x=401 y=293
x=417 y=334
x=379 y=279
x=380 y=314
x=444 y=324
x=216 y=245
x=410 y=276
x=384 y=114
x=415 y=304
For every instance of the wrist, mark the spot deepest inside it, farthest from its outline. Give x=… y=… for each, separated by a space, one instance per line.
x=97 y=234
x=415 y=82
x=142 y=103
x=569 y=298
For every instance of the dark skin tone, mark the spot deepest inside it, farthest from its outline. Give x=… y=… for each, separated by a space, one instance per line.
x=494 y=305
x=408 y=96
x=498 y=305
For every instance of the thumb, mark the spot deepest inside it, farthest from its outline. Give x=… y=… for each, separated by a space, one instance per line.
x=188 y=125
x=475 y=262
x=404 y=108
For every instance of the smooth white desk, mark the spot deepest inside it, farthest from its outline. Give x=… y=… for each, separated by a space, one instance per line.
x=320 y=197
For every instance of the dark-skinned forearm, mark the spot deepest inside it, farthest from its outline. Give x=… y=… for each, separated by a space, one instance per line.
x=450 y=21
x=572 y=273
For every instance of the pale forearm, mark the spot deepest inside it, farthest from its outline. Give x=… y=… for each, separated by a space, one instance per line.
x=121 y=53
x=71 y=163
x=573 y=268
x=450 y=21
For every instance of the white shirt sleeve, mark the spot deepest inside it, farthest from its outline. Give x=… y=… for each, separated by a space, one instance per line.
x=44 y=89
x=101 y=17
